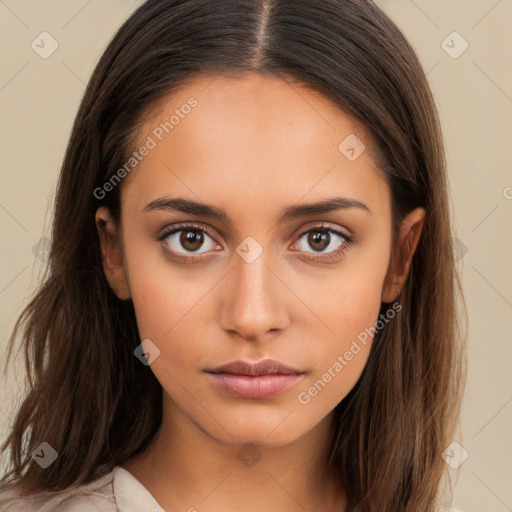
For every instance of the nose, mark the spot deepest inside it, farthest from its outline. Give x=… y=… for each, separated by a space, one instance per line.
x=254 y=300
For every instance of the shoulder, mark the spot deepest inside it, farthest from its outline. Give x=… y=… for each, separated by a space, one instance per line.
x=97 y=495
x=116 y=491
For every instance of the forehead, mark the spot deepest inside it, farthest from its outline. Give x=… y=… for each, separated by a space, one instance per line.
x=218 y=137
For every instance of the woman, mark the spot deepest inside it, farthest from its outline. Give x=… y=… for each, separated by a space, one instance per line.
x=251 y=296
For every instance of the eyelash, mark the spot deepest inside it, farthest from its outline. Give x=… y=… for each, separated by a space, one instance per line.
x=324 y=228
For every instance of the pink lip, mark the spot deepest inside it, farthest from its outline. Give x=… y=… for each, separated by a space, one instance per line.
x=255 y=380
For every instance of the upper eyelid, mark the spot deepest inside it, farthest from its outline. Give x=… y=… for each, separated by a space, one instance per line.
x=299 y=232
x=323 y=226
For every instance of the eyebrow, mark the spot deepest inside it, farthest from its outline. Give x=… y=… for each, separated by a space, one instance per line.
x=290 y=213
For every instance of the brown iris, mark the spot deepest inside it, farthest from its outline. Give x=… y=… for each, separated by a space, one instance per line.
x=319 y=240
x=191 y=240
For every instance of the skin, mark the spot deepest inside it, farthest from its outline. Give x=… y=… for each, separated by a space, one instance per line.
x=252 y=147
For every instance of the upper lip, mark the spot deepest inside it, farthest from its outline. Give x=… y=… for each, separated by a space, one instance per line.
x=264 y=367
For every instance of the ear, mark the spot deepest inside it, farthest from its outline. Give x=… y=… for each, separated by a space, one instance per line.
x=410 y=232
x=111 y=252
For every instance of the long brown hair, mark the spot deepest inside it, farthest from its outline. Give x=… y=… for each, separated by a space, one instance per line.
x=89 y=397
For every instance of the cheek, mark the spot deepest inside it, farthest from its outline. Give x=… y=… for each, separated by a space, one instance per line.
x=348 y=306
x=357 y=304
x=168 y=310
x=339 y=359
x=349 y=301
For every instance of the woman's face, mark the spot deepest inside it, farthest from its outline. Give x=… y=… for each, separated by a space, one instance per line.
x=236 y=172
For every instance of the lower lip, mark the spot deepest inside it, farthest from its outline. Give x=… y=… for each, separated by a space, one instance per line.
x=261 y=386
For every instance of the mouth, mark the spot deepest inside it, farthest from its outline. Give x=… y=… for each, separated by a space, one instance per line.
x=263 y=379
x=264 y=367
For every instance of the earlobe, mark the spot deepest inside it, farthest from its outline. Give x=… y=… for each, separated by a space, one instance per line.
x=111 y=253
x=410 y=233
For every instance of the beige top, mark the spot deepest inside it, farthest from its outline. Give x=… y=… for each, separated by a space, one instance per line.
x=117 y=491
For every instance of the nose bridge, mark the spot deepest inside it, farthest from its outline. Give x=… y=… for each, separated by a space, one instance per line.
x=255 y=303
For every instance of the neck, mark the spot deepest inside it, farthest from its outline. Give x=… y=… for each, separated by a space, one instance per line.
x=185 y=468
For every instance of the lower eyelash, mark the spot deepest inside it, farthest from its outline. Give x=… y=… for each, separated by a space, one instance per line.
x=347 y=242
x=182 y=227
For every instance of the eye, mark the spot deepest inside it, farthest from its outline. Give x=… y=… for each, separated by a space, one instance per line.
x=327 y=242
x=189 y=241
x=186 y=240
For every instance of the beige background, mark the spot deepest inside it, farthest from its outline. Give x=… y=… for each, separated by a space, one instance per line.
x=39 y=98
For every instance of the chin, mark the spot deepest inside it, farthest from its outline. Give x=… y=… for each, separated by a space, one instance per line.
x=261 y=429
